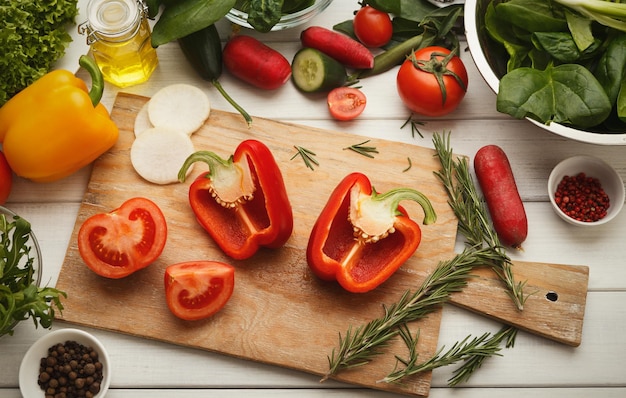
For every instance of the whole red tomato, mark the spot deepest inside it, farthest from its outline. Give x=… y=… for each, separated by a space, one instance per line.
x=372 y=27
x=198 y=289
x=432 y=81
x=125 y=240
x=6 y=179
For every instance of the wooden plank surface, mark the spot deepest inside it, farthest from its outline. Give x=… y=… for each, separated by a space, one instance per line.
x=280 y=313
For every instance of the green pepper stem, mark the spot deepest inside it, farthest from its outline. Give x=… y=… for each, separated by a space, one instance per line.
x=231 y=101
x=212 y=159
x=395 y=196
x=97 y=81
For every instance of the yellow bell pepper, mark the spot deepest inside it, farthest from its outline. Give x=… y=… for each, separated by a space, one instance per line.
x=56 y=126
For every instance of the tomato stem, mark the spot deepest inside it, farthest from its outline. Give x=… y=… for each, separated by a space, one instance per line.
x=439 y=68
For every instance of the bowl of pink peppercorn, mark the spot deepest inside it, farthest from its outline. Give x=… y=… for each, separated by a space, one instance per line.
x=586 y=191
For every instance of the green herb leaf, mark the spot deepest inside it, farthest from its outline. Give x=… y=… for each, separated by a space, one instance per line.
x=362 y=149
x=20 y=297
x=307 y=156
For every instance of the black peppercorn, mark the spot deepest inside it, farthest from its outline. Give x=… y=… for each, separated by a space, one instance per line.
x=70 y=370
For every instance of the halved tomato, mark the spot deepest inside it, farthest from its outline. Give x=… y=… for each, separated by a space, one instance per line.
x=346 y=103
x=198 y=289
x=127 y=239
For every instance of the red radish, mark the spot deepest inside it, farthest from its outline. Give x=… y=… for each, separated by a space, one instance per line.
x=497 y=182
x=344 y=49
x=256 y=63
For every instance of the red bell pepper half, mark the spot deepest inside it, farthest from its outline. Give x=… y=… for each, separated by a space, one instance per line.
x=241 y=201
x=362 y=237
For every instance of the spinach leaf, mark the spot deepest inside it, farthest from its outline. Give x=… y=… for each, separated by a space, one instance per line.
x=185 y=17
x=560 y=45
x=264 y=14
x=531 y=15
x=611 y=66
x=580 y=27
x=567 y=94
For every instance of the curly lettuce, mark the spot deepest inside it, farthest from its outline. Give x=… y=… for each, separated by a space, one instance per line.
x=33 y=37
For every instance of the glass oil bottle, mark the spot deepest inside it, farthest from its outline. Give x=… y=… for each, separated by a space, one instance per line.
x=120 y=39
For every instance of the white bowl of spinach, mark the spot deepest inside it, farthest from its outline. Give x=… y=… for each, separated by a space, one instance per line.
x=553 y=63
x=21 y=295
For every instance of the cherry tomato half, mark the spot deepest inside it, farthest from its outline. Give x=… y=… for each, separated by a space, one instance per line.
x=346 y=103
x=125 y=240
x=419 y=88
x=6 y=179
x=372 y=27
x=198 y=289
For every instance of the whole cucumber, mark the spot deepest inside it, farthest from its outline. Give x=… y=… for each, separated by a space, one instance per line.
x=203 y=50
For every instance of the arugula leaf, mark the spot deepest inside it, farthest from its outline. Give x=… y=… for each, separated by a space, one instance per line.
x=20 y=297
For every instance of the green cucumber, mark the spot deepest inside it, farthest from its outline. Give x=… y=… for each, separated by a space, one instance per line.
x=313 y=71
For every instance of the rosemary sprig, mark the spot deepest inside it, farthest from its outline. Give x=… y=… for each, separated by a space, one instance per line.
x=472 y=215
x=414 y=126
x=307 y=156
x=471 y=350
x=362 y=149
x=358 y=347
x=409 y=166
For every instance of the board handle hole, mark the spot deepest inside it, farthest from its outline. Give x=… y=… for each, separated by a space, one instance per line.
x=552 y=296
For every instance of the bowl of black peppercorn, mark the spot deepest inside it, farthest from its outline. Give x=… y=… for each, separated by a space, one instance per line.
x=65 y=363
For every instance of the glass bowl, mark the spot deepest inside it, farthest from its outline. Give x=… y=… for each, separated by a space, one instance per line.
x=35 y=254
x=287 y=21
x=491 y=63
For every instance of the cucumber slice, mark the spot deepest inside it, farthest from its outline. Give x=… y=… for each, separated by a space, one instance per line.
x=314 y=71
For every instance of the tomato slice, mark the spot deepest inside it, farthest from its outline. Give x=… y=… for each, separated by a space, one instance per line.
x=346 y=103
x=125 y=240
x=198 y=289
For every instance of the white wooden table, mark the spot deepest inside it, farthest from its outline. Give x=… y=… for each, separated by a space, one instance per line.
x=534 y=367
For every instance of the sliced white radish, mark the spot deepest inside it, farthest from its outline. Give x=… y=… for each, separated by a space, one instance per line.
x=142 y=120
x=181 y=107
x=158 y=153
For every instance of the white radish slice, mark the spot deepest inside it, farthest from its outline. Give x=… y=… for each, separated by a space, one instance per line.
x=181 y=107
x=158 y=153
x=142 y=121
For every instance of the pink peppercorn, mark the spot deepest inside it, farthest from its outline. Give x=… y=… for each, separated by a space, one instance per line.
x=582 y=198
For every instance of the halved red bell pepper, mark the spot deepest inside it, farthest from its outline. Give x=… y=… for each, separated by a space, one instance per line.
x=241 y=201
x=362 y=237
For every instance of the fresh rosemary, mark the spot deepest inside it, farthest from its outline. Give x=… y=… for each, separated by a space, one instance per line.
x=472 y=215
x=358 y=347
x=409 y=166
x=473 y=351
x=414 y=126
x=307 y=156
x=362 y=149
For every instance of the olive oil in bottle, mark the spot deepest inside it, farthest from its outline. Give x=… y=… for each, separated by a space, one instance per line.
x=120 y=40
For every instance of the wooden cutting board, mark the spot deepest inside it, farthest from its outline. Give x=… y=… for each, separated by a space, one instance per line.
x=280 y=313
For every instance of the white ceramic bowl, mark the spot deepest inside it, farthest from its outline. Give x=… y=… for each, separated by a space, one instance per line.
x=35 y=254
x=287 y=21
x=491 y=64
x=592 y=167
x=29 y=368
